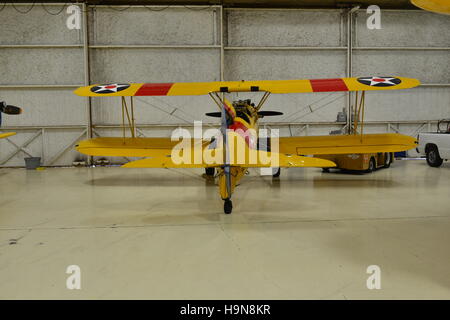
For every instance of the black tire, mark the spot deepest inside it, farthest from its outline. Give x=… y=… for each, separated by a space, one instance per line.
x=387 y=159
x=210 y=172
x=277 y=174
x=433 y=157
x=326 y=170
x=372 y=165
x=227 y=206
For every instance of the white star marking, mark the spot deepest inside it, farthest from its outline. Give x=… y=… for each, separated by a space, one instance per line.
x=377 y=80
x=110 y=87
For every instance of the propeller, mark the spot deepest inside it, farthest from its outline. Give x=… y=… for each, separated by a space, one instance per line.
x=261 y=114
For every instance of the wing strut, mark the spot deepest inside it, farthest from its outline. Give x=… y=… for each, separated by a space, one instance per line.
x=358 y=119
x=131 y=121
x=263 y=100
x=220 y=101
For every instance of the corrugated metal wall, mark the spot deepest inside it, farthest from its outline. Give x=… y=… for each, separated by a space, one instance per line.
x=42 y=61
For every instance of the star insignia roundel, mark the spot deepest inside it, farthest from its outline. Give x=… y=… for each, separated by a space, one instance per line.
x=379 y=81
x=109 y=88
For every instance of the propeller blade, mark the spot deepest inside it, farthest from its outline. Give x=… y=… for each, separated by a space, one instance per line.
x=214 y=114
x=269 y=113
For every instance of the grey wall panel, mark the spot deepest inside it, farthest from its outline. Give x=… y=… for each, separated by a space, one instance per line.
x=155 y=110
x=56 y=141
x=46 y=146
x=180 y=26
x=427 y=66
x=155 y=65
x=412 y=104
x=400 y=29
x=271 y=64
x=44 y=107
x=41 y=66
x=284 y=28
x=174 y=26
x=34 y=148
x=36 y=27
x=314 y=107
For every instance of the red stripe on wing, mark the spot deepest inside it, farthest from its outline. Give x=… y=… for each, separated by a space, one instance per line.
x=154 y=89
x=326 y=85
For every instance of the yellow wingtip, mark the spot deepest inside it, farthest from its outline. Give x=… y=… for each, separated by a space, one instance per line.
x=6 y=135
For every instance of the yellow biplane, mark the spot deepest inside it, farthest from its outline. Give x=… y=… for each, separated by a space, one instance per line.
x=238 y=148
x=8 y=109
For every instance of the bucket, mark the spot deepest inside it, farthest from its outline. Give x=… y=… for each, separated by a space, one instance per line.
x=32 y=162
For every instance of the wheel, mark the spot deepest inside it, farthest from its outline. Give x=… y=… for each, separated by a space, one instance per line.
x=210 y=172
x=372 y=165
x=326 y=170
x=387 y=159
x=277 y=173
x=433 y=157
x=227 y=206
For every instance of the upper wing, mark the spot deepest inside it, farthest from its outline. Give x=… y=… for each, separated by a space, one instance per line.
x=6 y=135
x=272 y=86
x=347 y=144
x=438 y=6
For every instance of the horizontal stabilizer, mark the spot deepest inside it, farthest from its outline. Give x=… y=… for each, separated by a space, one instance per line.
x=279 y=160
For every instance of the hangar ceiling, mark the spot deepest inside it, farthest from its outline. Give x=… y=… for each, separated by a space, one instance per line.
x=397 y=4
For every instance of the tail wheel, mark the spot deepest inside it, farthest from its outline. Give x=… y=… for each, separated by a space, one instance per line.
x=227 y=206
x=387 y=159
x=372 y=165
x=433 y=157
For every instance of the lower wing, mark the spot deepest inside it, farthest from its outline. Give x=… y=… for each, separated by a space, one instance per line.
x=158 y=154
x=346 y=144
x=131 y=147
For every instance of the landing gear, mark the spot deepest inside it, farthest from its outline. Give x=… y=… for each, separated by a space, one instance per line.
x=227 y=206
x=277 y=173
x=210 y=172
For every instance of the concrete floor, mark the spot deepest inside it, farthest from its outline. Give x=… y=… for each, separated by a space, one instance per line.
x=161 y=234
